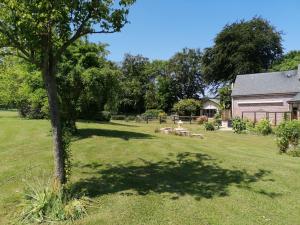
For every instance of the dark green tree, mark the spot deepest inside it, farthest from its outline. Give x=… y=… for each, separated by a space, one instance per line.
x=157 y=94
x=86 y=82
x=40 y=31
x=135 y=81
x=240 y=48
x=185 y=73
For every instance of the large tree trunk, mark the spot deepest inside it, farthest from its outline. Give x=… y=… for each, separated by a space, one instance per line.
x=49 y=72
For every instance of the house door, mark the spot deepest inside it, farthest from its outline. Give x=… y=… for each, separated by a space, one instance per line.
x=295 y=113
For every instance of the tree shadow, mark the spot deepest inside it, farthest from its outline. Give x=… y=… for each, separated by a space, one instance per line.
x=188 y=173
x=125 y=135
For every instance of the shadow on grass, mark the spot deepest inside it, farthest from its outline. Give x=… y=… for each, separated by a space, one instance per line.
x=125 y=135
x=187 y=174
x=108 y=123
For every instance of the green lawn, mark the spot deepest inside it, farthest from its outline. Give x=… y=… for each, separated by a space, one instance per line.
x=139 y=177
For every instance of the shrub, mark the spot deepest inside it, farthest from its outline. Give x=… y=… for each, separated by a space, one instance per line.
x=202 y=119
x=187 y=107
x=264 y=127
x=294 y=152
x=218 y=119
x=238 y=125
x=250 y=125
x=288 y=134
x=209 y=126
x=153 y=113
x=48 y=203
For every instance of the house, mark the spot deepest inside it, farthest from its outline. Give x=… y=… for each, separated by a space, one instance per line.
x=210 y=107
x=274 y=96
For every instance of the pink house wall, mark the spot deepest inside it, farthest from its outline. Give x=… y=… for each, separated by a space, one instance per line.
x=261 y=104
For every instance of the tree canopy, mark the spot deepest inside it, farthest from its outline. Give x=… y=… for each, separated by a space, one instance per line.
x=289 y=61
x=40 y=31
x=240 y=48
x=185 y=71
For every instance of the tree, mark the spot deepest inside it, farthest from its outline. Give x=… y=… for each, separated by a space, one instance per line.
x=156 y=71
x=187 y=107
x=134 y=83
x=225 y=97
x=289 y=61
x=21 y=87
x=86 y=82
x=185 y=72
x=40 y=31
x=240 y=48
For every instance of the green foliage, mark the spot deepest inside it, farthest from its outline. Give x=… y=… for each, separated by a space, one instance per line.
x=218 y=119
x=21 y=87
x=160 y=91
x=187 y=107
x=241 y=48
x=46 y=203
x=289 y=61
x=294 y=152
x=153 y=113
x=134 y=84
x=202 y=119
x=238 y=125
x=87 y=82
x=264 y=127
x=209 y=126
x=185 y=72
x=250 y=126
x=288 y=134
x=166 y=92
x=225 y=97
x=67 y=153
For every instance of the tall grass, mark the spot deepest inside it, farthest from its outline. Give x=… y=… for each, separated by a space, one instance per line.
x=47 y=202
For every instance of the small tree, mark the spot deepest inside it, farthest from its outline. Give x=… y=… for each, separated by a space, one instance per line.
x=225 y=97
x=40 y=31
x=187 y=107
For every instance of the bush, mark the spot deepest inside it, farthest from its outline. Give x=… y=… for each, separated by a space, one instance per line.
x=104 y=116
x=294 y=152
x=287 y=135
x=264 y=127
x=187 y=107
x=202 y=119
x=218 y=119
x=238 y=125
x=153 y=113
x=209 y=126
x=250 y=125
x=48 y=203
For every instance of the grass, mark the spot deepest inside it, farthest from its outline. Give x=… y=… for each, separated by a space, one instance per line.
x=139 y=177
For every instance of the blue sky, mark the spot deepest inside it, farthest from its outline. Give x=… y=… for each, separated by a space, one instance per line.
x=160 y=28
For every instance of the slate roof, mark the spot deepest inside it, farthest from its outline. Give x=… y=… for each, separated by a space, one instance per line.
x=267 y=83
